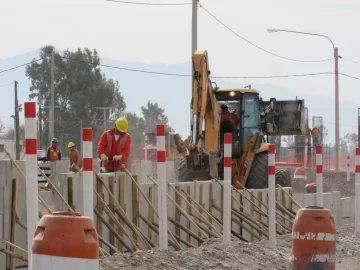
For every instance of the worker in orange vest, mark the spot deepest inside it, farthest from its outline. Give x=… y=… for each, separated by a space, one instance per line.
x=310 y=188
x=53 y=152
x=114 y=147
x=75 y=158
x=315 y=135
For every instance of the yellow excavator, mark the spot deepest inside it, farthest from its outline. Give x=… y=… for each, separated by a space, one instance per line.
x=259 y=119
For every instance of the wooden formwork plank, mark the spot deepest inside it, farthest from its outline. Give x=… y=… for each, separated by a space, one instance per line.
x=177 y=211
x=70 y=192
x=211 y=202
x=201 y=202
x=189 y=210
x=100 y=208
x=151 y=211
x=252 y=199
x=112 y=208
x=13 y=221
x=136 y=206
x=260 y=200
x=122 y=200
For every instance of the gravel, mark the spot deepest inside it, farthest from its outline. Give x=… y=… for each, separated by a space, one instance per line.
x=239 y=255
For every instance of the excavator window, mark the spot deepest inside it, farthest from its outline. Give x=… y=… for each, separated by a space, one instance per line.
x=250 y=117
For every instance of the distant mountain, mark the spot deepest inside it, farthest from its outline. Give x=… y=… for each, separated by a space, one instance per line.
x=172 y=93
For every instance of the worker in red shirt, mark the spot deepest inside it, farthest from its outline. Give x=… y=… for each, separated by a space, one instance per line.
x=115 y=144
x=226 y=115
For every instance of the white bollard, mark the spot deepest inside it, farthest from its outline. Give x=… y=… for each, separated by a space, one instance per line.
x=306 y=151
x=146 y=144
x=272 y=191
x=357 y=192
x=32 y=207
x=161 y=175
x=348 y=168
x=227 y=189
x=319 y=177
x=87 y=175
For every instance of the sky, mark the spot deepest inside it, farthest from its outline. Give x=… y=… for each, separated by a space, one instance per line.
x=162 y=34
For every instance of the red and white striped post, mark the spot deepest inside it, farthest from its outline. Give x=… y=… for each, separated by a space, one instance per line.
x=272 y=191
x=319 y=177
x=87 y=175
x=161 y=175
x=32 y=207
x=146 y=144
x=306 y=151
x=227 y=189
x=357 y=192
x=348 y=168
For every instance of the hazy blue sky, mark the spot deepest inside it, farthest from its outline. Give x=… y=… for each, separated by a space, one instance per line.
x=162 y=34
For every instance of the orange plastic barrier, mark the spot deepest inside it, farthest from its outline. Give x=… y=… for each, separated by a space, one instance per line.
x=314 y=239
x=65 y=240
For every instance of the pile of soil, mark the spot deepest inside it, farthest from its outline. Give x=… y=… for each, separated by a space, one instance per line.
x=332 y=181
x=239 y=255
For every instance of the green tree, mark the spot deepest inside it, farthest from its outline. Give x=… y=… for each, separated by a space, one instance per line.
x=9 y=134
x=352 y=142
x=79 y=88
x=153 y=115
x=136 y=127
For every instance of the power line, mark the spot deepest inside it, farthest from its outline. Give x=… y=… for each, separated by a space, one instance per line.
x=355 y=62
x=149 y=4
x=188 y=75
x=260 y=48
x=1 y=86
x=5 y=70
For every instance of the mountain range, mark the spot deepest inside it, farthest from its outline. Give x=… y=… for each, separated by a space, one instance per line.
x=173 y=93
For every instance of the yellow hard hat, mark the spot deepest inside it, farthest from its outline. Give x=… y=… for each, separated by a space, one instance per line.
x=314 y=126
x=71 y=144
x=122 y=124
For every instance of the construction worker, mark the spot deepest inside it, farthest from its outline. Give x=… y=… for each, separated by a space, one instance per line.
x=315 y=135
x=310 y=188
x=226 y=115
x=53 y=152
x=114 y=147
x=75 y=158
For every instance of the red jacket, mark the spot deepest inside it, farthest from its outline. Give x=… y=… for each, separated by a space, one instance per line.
x=234 y=119
x=108 y=146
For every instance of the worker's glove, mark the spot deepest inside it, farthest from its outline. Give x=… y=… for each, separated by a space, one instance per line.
x=118 y=157
x=103 y=157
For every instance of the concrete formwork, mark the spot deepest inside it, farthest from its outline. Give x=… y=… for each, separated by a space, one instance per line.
x=208 y=194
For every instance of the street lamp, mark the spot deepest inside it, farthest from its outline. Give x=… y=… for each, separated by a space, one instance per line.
x=336 y=56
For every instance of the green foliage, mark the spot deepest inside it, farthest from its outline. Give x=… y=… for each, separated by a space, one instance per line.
x=152 y=115
x=80 y=87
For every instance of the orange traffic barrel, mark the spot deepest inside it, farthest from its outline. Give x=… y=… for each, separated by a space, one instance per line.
x=65 y=240
x=300 y=173
x=314 y=239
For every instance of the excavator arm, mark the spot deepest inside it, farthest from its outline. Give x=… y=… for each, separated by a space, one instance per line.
x=205 y=108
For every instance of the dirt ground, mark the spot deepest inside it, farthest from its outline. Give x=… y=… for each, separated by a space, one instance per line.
x=239 y=255
x=332 y=181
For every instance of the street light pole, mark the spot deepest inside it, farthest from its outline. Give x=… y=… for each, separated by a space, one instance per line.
x=337 y=121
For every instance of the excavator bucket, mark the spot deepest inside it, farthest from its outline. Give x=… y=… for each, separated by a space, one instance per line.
x=285 y=117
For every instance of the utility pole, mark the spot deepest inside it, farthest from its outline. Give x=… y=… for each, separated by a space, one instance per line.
x=17 y=127
x=105 y=108
x=194 y=27
x=337 y=128
x=52 y=105
x=193 y=49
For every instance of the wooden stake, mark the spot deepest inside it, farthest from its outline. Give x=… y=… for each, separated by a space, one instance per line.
x=13 y=221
